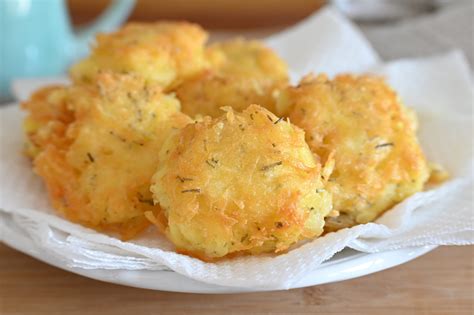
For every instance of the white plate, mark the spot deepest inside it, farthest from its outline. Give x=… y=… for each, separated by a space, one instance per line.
x=346 y=265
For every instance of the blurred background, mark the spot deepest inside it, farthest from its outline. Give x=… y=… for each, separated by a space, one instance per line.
x=245 y=14
x=41 y=38
x=226 y=14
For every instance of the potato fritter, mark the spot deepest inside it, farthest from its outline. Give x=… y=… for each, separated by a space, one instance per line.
x=98 y=168
x=241 y=183
x=163 y=52
x=47 y=120
x=241 y=73
x=360 y=122
x=247 y=58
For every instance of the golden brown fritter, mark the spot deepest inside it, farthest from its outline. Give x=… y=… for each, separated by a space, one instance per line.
x=241 y=73
x=360 y=122
x=163 y=52
x=98 y=168
x=47 y=120
x=248 y=58
x=241 y=183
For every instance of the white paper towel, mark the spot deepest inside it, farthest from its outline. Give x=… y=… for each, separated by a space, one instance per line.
x=439 y=88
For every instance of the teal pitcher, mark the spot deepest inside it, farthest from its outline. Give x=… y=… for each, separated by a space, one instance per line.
x=37 y=39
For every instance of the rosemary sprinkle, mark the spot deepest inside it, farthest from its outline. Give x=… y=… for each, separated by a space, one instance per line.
x=269 y=166
x=382 y=145
x=194 y=190
x=91 y=158
x=183 y=179
x=278 y=120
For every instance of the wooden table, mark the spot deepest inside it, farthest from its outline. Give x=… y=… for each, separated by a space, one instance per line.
x=440 y=282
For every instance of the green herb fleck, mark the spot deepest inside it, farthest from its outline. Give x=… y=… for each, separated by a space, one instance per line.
x=194 y=190
x=91 y=158
x=382 y=145
x=212 y=162
x=270 y=166
x=184 y=179
x=278 y=120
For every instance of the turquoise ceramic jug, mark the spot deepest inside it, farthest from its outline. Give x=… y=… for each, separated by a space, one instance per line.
x=37 y=39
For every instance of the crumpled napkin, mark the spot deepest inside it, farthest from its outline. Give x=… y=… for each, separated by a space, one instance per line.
x=439 y=88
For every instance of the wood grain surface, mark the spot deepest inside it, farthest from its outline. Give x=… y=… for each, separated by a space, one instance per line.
x=440 y=282
x=228 y=14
